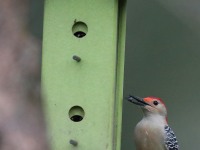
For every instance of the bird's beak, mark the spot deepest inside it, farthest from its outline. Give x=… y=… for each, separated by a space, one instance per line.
x=137 y=100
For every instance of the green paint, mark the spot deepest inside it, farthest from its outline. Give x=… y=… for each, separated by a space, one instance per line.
x=94 y=83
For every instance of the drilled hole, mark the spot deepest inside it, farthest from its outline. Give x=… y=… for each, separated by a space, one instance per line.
x=76 y=113
x=79 y=29
x=76 y=118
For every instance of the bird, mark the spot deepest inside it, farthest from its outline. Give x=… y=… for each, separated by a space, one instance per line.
x=153 y=131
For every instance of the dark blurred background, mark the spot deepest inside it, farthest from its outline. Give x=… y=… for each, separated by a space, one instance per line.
x=36 y=17
x=162 y=59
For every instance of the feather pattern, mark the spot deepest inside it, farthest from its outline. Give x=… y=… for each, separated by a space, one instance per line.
x=170 y=139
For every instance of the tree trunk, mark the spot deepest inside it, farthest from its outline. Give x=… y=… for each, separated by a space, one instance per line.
x=22 y=125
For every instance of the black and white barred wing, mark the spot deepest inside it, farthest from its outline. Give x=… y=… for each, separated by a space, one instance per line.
x=171 y=142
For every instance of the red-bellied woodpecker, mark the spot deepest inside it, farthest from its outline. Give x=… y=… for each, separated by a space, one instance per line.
x=153 y=132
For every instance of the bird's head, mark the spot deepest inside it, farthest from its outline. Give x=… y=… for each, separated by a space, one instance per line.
x=150 y=105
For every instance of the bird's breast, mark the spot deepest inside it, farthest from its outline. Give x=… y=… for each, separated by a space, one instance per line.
x=149 y=136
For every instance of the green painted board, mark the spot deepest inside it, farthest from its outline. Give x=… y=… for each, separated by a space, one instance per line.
x=93 y=84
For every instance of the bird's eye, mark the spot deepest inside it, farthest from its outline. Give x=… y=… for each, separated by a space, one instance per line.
x=155 y=102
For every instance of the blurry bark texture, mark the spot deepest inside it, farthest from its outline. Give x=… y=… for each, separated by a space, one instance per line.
x=22 y=125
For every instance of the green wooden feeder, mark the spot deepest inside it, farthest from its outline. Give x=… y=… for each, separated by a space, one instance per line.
x=82 y=73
